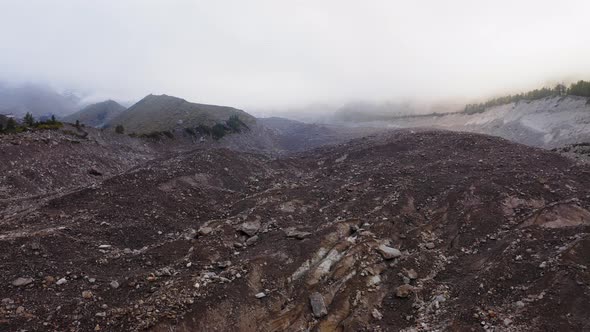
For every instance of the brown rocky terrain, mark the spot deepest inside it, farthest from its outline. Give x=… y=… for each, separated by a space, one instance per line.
x=402 y=231
x=38 y=165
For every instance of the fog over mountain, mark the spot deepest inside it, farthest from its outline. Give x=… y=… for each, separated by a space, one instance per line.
x=38 y=99
x=269 y=56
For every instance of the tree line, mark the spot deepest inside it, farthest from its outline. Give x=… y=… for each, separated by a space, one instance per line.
x=580 y=88
x=10 y=125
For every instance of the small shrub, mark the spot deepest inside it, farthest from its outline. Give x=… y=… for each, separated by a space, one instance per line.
x=218 y=131
x=235 y=124
x=119 y=129
x=204 y=130
x=29 y=120
x=155 y=135
x=10 y=125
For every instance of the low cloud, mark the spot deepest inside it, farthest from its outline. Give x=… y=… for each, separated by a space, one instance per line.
x=273 y=55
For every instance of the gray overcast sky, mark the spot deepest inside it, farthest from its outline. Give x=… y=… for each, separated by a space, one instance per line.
x=287 y=53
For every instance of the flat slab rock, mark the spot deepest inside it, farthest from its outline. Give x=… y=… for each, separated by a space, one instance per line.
x=22 y=282
x=297 y=234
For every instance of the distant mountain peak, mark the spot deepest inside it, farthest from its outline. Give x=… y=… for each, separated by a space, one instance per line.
x=98 y=114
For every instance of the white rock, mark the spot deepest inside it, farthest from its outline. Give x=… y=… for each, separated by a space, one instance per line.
x=22 y=281
x=374 y=281
x=205 y=230
x=388 y=252
x=250 y=228
x=376 y=314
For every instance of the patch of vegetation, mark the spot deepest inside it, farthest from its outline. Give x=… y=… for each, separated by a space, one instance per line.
x=29 y=123
x=155 y=135
x=580 y=88
x=79 y=125
x=119 y=129
x=204 y=130
x=29 y=120
x=11 y=126
x=558 y=90
x=190 y=131
x=49 y=126
x=235 y=124
x=218 y=131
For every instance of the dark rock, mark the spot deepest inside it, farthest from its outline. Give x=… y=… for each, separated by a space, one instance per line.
x=95 y=172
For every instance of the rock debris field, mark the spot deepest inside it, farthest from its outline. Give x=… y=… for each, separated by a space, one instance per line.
x=401 y=231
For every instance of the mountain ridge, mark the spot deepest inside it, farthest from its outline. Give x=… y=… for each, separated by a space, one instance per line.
x=96 y=115
x=164 y=112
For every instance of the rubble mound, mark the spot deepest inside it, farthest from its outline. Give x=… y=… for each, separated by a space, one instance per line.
x=403 y=231
x=40 y=164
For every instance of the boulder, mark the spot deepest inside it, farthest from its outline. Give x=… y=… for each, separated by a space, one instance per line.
x=87 y=294
x=388 y=252
x=205 y=230
x=404 y=291
x=318 y=306
x=250 y=228
x=22 y=281
x=252 y=240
